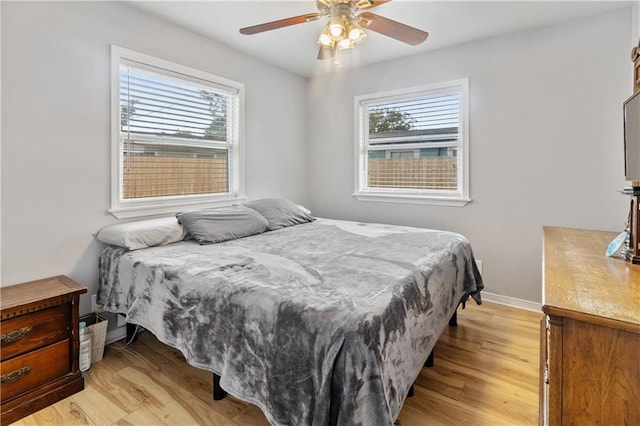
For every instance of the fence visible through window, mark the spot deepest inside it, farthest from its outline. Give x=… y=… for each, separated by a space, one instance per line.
x=432 y=173
x=147 y=176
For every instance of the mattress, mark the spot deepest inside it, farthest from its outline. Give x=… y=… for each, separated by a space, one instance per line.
x=327 y=322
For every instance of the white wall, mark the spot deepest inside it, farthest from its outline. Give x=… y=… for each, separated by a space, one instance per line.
x=545 y=141
x=635 y=33
x=55 y=134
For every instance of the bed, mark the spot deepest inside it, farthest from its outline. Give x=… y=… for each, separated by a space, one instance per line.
x=323 y=322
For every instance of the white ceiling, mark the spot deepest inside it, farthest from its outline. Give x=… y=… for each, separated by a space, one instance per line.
x=294 y=48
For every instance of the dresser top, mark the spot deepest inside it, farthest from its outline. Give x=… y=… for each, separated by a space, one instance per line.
x=580 y=281
x=38 y=291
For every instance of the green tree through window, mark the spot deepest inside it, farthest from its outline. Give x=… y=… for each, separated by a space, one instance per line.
x=386 y=119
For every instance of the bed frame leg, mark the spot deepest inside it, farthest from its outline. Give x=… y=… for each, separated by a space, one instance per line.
x=454 y=319
x=218 y=392
x=410 y=393
x=132 y=336
x=429 y=362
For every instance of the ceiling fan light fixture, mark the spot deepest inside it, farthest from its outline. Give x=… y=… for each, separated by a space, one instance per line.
x=345 y=43
x=356 y=33
x=346 y=26
x=325 y=39
x=337 y=27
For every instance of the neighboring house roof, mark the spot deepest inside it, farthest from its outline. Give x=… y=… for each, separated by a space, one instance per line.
x=413 y=135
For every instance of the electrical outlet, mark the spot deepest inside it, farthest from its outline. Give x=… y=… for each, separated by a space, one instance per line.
x=479 y=264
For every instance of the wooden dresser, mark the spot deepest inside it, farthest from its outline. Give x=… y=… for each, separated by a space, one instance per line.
x=39 y=349
x=590 y=338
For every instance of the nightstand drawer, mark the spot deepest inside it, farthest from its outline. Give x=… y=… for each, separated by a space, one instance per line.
x=36 y=368
x=36 y=330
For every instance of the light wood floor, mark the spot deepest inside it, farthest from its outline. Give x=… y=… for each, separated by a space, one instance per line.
x=485 y=373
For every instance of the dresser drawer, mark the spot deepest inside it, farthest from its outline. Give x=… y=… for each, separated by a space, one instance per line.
x=28 y=371
x=35 y=330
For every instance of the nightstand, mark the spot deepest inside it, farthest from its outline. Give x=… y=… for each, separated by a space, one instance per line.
x=39 y=345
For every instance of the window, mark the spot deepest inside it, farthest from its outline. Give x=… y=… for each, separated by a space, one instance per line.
x=412 y=145
x=176 y=136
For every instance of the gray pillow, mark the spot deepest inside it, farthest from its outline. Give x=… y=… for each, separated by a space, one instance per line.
x=209 y=226
x=279 y=212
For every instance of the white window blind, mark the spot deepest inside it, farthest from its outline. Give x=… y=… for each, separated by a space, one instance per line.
x=412 y=143
x=178 y=134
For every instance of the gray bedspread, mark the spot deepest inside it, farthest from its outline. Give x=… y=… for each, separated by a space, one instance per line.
x=322 y=323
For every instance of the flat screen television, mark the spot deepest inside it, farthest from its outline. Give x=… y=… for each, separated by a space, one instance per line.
x=632 y=138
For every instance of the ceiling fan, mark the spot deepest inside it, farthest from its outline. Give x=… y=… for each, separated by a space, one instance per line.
x=346 y=26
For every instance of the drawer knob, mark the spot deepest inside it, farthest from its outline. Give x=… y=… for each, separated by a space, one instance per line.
x=14 y=335
x=14 y=375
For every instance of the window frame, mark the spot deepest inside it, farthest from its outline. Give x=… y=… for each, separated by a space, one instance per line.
x=129 y=208
x=362 y=192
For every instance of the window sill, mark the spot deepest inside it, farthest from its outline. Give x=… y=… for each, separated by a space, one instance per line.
x=413 y=199
x=140 y=210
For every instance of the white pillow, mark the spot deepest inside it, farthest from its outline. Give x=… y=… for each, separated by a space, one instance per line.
x=142 y=233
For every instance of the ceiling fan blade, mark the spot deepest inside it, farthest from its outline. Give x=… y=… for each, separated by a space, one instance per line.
x=326 y=53
x=391 y=28
x=368 y=4
x=268 y=26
